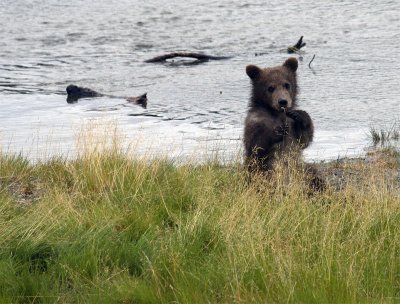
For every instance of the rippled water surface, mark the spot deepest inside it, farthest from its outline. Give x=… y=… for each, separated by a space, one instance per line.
x=47 y=45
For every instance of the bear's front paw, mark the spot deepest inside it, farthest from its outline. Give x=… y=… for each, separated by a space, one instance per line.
x=300 y=117
x=282 y=130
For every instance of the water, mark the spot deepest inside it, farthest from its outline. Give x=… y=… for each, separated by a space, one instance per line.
x=47 y=45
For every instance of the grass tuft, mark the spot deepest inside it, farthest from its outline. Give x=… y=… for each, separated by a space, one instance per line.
x=385 y=136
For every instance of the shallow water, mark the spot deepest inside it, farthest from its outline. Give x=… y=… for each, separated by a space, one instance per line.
x=47 y=45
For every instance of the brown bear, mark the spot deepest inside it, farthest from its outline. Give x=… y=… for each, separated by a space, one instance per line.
x=274 y=126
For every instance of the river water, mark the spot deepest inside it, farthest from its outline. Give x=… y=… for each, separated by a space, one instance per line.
x=192 y=109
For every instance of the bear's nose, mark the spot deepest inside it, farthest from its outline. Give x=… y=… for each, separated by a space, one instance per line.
x=283 y=102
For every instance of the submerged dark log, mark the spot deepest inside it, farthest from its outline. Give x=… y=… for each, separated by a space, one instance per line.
x=295 y=48
x=139 y=100
x=198 y=56
x=75 y=92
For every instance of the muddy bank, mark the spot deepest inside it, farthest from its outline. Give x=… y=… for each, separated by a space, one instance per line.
x=383 y=165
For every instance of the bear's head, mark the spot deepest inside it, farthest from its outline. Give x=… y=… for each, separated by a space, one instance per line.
x=276 y=87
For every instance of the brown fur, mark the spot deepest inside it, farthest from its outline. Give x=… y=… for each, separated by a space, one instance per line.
x=274 y=126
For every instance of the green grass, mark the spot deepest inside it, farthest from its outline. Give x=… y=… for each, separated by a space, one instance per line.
x=106 y=228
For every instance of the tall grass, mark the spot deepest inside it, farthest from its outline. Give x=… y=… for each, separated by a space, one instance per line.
x=107 y=228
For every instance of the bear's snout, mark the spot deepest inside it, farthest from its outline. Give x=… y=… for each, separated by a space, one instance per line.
x=283 y=103
x=280 y=99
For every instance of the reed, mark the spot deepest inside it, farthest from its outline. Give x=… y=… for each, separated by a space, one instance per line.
x=385 y=136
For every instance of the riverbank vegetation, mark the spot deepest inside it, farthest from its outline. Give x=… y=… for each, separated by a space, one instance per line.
x=385 y=136
x=109 y=228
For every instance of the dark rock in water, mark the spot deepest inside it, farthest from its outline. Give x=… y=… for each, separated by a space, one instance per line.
x=139 y=100
x=74 y=93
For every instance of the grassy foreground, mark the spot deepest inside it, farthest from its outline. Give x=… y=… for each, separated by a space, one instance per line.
x=108 y=229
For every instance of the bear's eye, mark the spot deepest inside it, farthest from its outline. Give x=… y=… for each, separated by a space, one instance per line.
x=271 y=89
x=286 y=85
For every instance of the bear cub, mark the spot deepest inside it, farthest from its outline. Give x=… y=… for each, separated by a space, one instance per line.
x=274 y=126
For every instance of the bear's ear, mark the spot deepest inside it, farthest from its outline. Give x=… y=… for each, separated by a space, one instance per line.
x=253 y=71
x=291 y=64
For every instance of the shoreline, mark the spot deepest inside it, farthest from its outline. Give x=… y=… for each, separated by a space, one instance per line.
x=337 y=172
x=37 y=133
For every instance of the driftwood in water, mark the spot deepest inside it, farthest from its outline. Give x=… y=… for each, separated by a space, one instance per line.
x=198 y=56
x=295 y=48
x=75 y=92
x=139 y=100
x=309 y=64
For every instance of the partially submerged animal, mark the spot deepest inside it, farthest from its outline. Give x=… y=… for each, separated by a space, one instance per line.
x=75 y=92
